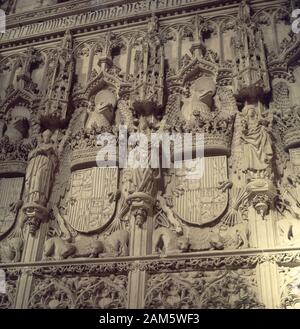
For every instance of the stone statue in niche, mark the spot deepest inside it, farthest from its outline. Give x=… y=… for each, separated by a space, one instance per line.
x=63 y=70
x=244 y=12
x=9 y=6
x=43 y=163
x=257 y=144
x=153 y=25
x=32 y=57
x=100 y=112
x=55 y=102
x=148 y=86
x=250 y=73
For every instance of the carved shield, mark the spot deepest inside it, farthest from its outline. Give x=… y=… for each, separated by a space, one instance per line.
x=199 y=201
x=10 y=192
x=92 y=204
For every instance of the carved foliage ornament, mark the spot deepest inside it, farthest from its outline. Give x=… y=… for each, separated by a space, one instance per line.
x=220 y=289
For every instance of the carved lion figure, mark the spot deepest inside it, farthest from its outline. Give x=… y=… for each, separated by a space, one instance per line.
x=115 y=244
x=166 y=241
x=205 y=239
x=10 y=250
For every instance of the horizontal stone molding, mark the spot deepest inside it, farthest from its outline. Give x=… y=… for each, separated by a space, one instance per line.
x=155 y=264
x=69 y=18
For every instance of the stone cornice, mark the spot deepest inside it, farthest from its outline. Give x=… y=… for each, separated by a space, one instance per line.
x=173 y=263
x=79 y=16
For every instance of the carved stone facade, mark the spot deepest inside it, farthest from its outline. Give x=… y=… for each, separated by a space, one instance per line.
x=75 y=233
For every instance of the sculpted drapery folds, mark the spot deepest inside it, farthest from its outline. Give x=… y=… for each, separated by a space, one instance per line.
x=257 y=144
x=40 y=171
x=43 y=162
x=73 y=76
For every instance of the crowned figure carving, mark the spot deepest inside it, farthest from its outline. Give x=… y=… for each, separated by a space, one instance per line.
x=258 y=158
x=257 y=144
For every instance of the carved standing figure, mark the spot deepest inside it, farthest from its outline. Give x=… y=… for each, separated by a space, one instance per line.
x=244 y=14
x=43 y=162
x=257 y=143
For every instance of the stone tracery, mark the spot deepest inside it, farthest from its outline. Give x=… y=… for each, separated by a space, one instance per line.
x=226 y=77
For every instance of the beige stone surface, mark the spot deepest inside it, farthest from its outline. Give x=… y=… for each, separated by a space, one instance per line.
x=74 y=234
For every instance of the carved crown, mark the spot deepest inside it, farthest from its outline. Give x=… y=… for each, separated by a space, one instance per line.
x=85 y=146
x=288 y=125
x=286 y=116
x=217 y=130
x=13 y=155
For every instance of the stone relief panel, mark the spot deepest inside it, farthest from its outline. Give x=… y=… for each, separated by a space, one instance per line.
x=188 y=290
x=233 y=78
x=7 y=299
x=290 y=287
x=73 y=292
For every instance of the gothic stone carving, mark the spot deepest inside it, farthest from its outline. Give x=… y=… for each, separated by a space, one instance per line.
x=39 y=178
x=60 y=74
x=75 y=70
x=221 y=289
x=116 y=244
x=79 y=292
